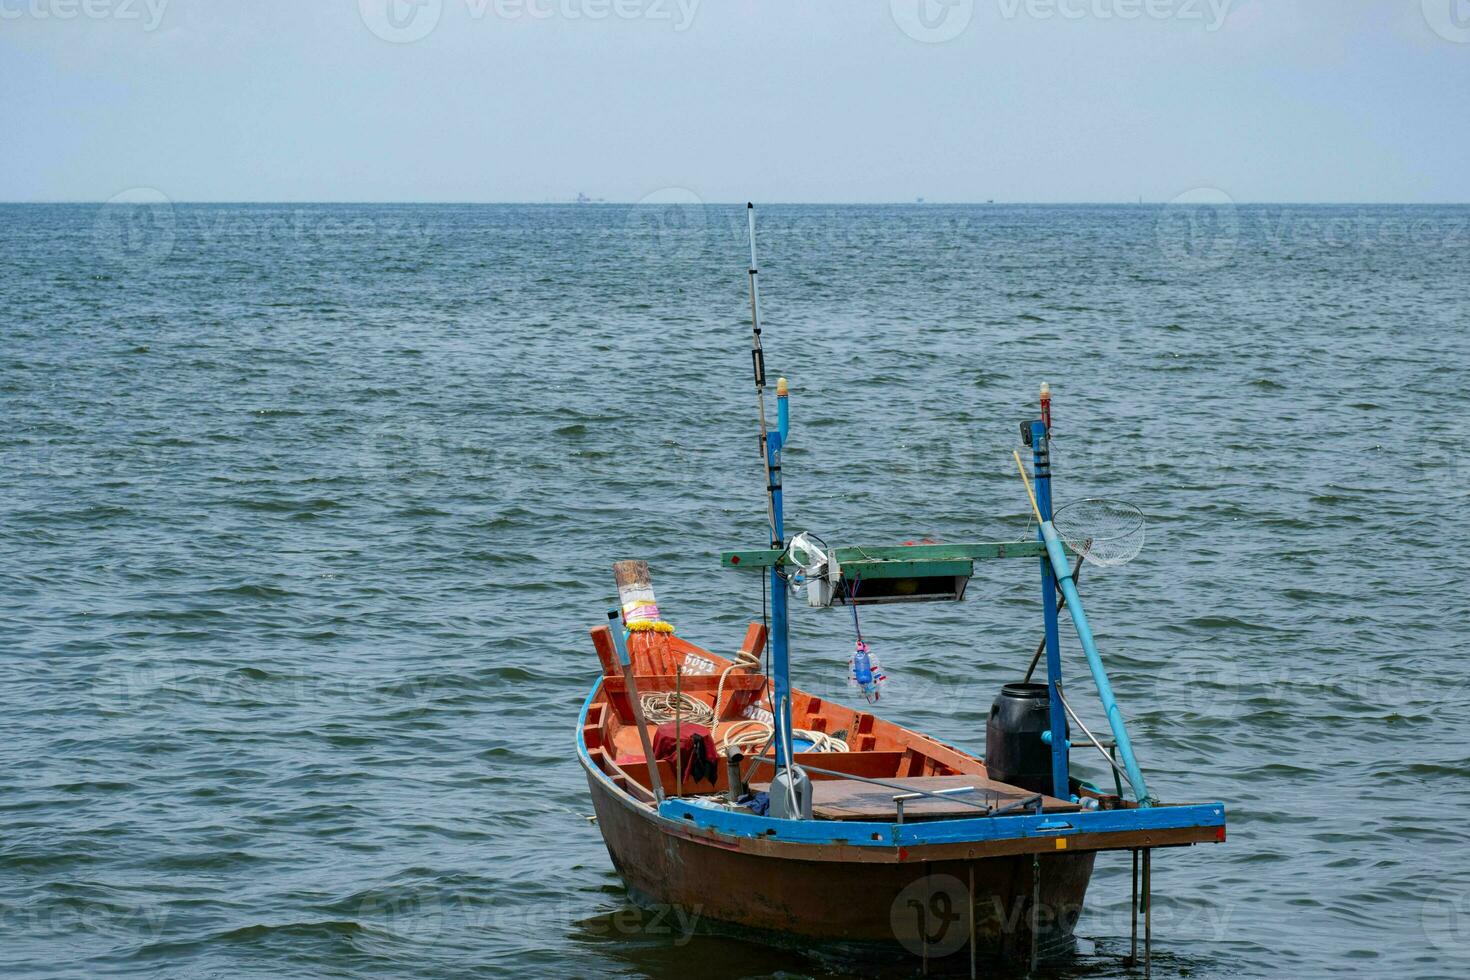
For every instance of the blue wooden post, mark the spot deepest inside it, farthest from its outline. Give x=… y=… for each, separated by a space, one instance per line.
x=1060 y=776
x=780 y=628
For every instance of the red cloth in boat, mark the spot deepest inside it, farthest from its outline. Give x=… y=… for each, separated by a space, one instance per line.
x=701 y=762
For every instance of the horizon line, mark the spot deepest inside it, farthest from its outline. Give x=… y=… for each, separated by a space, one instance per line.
x=740 y=203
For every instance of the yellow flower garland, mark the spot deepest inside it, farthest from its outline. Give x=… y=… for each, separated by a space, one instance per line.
x=651 y=626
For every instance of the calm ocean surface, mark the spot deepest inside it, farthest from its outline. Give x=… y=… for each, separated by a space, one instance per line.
x=307 y=511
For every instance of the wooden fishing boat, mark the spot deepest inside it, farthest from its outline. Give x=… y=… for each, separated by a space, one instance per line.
x=941 y=880
x=724 y=792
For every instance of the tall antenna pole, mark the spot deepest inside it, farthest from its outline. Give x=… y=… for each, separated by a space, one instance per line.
x=771 y=443
x=758 y=361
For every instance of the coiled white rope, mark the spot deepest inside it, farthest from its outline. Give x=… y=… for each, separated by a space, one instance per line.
x=666 y=706
x=753 y=736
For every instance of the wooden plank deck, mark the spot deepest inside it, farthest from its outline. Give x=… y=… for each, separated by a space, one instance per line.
x=852 y=799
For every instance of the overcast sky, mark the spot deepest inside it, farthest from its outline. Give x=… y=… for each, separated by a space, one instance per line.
x=724 y=100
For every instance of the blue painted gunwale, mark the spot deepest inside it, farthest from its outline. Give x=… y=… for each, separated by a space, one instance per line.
x=684 y=812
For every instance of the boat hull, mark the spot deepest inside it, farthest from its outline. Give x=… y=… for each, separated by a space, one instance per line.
x=919 y=906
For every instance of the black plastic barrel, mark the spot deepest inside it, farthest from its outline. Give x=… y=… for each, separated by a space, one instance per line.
x=1014 y=751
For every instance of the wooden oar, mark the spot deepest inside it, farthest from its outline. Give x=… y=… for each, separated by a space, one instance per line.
x=679 y=729
x=615 y=624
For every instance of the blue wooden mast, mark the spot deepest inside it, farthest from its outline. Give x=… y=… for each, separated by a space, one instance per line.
x=780 y=624
x=1041 y=467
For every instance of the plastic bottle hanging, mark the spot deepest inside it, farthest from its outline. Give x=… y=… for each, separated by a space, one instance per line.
x=866 y=673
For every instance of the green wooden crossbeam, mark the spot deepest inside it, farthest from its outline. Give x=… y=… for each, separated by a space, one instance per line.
x=872 y=560
x=906 y=569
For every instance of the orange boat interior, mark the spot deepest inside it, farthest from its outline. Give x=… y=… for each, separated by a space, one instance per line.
x=663 y=663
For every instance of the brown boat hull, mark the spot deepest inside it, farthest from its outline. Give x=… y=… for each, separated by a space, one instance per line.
x=921 y=906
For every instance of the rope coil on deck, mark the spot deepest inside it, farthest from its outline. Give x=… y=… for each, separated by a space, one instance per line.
x=752 y=737
x=748 y=737
x=666 y=706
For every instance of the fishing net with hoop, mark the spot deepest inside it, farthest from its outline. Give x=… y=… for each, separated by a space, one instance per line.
x=1104 y=532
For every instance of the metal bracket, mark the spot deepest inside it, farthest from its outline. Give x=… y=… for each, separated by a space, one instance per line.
x=902 y=798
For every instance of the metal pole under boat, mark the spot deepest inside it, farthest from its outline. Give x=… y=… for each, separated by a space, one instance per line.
x=620 y=644
x=1035 y=909
x=1060 y=775
x=971 y=896
x=1133 y=946
x=1148 y=912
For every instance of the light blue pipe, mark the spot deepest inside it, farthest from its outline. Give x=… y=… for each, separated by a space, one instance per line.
x=1063 y=570
x=620 y=635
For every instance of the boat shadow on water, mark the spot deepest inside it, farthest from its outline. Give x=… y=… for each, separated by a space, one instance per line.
x=664 y=942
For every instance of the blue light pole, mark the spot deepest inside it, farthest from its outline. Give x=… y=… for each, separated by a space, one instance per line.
x=1041 y=467
x=780 y=628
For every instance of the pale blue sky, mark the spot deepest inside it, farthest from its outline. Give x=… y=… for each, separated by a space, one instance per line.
x=724 y=100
